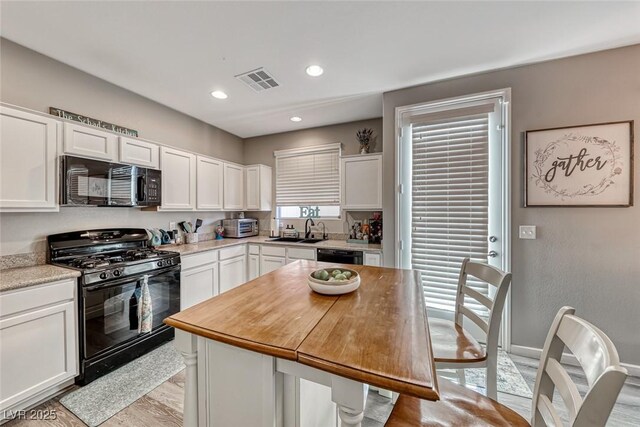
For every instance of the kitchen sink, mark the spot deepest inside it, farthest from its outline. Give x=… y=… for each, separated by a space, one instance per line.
x=294 y=240
x=310 y=240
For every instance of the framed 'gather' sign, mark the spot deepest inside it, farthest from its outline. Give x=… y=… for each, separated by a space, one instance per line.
x=590 y=165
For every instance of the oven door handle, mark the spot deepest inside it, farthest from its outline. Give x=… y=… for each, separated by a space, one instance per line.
x=129 y=279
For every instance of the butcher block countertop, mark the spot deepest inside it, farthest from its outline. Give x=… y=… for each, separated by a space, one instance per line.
x=376 y=335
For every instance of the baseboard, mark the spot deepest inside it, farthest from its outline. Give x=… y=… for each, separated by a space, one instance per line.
x=535 y=353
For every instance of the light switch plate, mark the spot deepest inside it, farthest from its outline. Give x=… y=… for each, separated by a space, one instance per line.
x=172 y=226
x=527 y=232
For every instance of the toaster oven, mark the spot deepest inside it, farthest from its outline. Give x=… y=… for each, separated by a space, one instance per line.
x=241 y=227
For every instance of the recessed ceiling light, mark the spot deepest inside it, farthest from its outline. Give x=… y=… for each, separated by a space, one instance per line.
x=296 y=119
x=314 y=70
x=219 y=94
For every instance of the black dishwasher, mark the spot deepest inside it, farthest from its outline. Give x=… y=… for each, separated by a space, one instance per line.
x=340 y=256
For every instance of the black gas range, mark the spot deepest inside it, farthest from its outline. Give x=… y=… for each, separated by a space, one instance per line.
x=118 y=270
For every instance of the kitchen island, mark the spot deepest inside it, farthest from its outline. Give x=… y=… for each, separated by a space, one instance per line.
x=247 y=350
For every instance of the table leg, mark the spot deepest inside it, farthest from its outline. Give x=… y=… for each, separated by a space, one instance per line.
x=351 y=398
x=186 y=343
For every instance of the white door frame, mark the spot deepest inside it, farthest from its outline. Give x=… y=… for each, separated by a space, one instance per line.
x=401 y=140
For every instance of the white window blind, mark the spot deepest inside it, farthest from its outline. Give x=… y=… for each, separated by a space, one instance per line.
x=308 y=177
x=449 y=209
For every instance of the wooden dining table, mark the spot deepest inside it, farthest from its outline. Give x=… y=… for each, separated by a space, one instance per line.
x=247 y=350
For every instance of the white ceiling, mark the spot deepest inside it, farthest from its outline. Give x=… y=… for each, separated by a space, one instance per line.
x=176 y=53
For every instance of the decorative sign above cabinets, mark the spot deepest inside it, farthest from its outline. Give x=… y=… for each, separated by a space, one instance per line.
x=92 y=122
x=588 y=165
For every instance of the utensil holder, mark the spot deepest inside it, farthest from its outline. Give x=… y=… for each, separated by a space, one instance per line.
x=191 y=237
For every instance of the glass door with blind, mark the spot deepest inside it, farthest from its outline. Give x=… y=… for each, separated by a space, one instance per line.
x=453 y=193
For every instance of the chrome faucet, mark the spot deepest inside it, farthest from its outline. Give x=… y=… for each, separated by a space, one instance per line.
x=307 y=229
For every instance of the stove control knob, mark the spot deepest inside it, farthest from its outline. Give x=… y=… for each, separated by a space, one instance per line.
x=103 y=276
x=116 y=272
x=160 y=263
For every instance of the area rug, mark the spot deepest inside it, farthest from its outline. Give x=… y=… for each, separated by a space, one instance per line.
x=103 y=398
x=510 y=380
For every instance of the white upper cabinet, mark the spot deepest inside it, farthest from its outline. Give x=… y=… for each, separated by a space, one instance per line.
x=86 y=141
x=233 y=187
x=28 y=148
x=258 y=188
x=178 y=179
x=139 y=153
x=209 y=183
x=361 y=182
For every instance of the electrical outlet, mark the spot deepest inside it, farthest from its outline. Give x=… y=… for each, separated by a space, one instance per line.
x=527 y=232
x=172 y=225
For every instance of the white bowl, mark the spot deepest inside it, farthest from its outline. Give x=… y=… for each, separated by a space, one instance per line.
x=334 y=288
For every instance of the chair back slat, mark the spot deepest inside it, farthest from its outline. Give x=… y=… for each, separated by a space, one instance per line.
x=548 y=413
x=475 y=318
x=486 y=301
x=600 y=362
x=485 y=272
x=565 y=386
x=591 y=347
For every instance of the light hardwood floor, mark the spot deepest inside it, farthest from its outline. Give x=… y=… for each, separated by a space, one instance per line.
x=163 y=405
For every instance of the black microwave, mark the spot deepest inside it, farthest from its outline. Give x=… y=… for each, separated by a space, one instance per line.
x=87 y=182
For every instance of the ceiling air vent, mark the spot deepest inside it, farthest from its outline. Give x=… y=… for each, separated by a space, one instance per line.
x=258 y=79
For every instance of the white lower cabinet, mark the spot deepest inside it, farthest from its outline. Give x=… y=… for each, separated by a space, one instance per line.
x=254 y=266
x=233 y=272
x=373 y=258
x=272 y=258
x=269 y=263
x=38 y=332
x=296 y=253
x=199 y=278
x=198 y=284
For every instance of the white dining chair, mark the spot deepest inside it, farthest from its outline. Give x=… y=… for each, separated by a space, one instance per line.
x=596 y=355
x=453 y=346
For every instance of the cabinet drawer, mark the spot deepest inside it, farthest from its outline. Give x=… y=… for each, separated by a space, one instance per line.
x=254 y=250
x=36 y=296
x=274 y=250
x=231 y=252
x=301 y=253
x=196 y=260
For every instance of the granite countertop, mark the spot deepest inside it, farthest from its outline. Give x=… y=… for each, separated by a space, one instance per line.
x=22 y=277
x=208 y=245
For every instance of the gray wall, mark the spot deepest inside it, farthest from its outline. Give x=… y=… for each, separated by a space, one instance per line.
x=588 y=258
x=260 y=149
x=35 y=81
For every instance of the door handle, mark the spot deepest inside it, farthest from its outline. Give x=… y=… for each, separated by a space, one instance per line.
x=492 y=254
